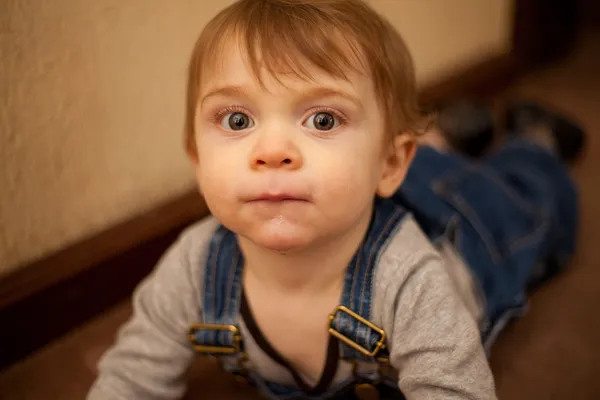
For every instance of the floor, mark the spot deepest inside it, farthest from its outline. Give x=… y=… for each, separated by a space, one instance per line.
x=552 y=353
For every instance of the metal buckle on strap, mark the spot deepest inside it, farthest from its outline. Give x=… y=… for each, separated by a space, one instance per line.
x=237 y=339
x=370 y=353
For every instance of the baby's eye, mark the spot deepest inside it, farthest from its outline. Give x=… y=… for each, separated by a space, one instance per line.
x=236 y=121
x=322 y=121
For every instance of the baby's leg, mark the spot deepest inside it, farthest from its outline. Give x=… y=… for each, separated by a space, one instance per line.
x=528 y=165
x=537 y=138
x=504 y=213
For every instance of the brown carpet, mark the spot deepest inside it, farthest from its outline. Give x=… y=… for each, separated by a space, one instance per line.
x=552 y=353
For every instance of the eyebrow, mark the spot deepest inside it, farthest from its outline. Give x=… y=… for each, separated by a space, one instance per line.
x=225 y=91
x=305 y=95
x=323 y=91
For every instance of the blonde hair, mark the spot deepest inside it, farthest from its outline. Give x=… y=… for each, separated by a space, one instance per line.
x=336 y=36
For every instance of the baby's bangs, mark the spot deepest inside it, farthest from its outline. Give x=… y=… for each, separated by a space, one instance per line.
x=284 y=44
x=288 y=44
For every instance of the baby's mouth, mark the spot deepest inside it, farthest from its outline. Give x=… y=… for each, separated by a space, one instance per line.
x=278 y=198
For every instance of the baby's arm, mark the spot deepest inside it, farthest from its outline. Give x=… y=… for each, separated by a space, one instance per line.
x=436 y=344
x=151 y=355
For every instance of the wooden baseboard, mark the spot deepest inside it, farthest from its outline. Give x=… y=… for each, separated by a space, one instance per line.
x=476 y=82
x=46 y=299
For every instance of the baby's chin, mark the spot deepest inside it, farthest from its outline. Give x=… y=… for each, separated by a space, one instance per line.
x=281 y=236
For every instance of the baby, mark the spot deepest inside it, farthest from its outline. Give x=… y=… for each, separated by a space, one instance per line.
x=347 y=254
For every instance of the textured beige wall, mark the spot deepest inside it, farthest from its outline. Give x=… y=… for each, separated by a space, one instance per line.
x=444 y=35
x=91 y=96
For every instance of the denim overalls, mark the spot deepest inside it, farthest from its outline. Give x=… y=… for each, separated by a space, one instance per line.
x=509 y=214
x=505 y=215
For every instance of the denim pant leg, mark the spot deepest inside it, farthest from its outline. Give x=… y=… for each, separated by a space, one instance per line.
x=505 y=214
x=545 y=182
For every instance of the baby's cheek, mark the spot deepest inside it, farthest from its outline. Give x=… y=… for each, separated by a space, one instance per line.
x=216 y=185
x=347 y=186
x=214 y=179
x=217 y=194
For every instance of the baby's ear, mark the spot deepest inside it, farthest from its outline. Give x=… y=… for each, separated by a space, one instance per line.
x=396 y=160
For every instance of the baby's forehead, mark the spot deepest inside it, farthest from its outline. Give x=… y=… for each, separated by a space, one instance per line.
x=235 y=66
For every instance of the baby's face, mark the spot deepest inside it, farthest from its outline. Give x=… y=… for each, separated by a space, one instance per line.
x=290 y=165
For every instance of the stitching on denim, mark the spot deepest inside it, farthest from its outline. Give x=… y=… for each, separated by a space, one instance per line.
x=347 y=324
x=454 y=178
x=213 y=313
x=473 y=219
x=212 y=276
x=232 y=275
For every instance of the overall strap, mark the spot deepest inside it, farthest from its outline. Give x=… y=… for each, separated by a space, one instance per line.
x=362 y=342
x=218 y=334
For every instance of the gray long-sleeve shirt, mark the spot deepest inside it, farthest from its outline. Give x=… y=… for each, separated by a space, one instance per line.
x=423 y=299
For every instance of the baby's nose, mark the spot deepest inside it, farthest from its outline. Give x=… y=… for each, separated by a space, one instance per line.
x=276 y=155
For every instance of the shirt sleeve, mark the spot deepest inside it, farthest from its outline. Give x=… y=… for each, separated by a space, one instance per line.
x=436 y=344
x=151 y=353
